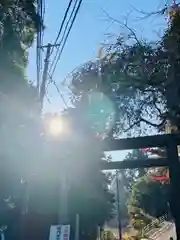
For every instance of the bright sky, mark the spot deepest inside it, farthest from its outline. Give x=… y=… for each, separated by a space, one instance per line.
x=89 y=31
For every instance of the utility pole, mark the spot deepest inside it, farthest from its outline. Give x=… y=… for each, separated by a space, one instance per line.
x=98 y=233
x=62 y=178
x=42 y=89
x=63 y=198
x=77 y=227
x=63 y=185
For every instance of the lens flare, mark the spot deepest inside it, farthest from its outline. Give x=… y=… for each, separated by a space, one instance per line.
x=100 y=112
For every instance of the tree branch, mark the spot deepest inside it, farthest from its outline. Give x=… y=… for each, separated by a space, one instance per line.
x=158 y=109
x=153 y=124
x=147 y=122
x=122 y=24
x=132 y=125
x=147 y=15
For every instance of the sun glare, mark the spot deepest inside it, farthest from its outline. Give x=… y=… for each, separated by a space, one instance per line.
x=56 y=126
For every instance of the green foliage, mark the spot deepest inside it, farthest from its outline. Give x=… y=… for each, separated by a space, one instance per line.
x=19 y=23
x=107 y=235
x=152 y=197
x=139 y=219
x=139 y=78
x=128 y=178
x=18 y=104
x=141 y=199
x=127 y=82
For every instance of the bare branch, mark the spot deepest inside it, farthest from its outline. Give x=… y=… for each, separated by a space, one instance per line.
x=147 y=122
x=147 y=15
x=132 y=125
x=124 y=25
x=158 y=109
x=153 y=124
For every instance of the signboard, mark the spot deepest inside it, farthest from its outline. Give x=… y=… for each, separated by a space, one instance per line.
x=59 y=232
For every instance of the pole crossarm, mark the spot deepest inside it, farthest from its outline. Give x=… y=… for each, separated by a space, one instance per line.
x=141 y=142
x=132 y=164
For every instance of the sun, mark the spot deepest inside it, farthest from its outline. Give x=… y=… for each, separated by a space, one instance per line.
x=56 y=126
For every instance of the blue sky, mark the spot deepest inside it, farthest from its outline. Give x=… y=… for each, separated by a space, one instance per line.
x=89 y=31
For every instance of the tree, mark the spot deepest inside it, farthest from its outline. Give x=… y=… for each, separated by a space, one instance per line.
x=108 y=235
x=139 y=78
x=130 y=176
x=130 y=76
x=19 y=23
x=159 y=173
x=127 y=178
x=152 y=197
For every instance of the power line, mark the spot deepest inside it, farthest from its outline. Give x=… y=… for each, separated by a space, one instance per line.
x=64 y=32
x=37 y=48
x=44 y=92
x=65 y=40
x=60 y=94
x=50 y=47
x=62 y=24
x=57 y=89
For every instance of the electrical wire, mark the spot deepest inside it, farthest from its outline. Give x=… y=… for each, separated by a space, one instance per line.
x=62 y=24
x=64 y=32
x=74 y=12
x=60 y=94
x=57 y=89
x=65 y=40
x=37 y=47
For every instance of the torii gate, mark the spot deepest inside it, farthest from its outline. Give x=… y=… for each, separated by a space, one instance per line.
x=170 y=142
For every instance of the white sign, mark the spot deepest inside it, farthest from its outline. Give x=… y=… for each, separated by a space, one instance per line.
x=59 y=232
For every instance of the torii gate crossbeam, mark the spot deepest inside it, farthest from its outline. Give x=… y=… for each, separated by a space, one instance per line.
x=168 y=141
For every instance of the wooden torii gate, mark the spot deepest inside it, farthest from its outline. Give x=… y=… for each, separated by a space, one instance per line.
x=170 y=143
